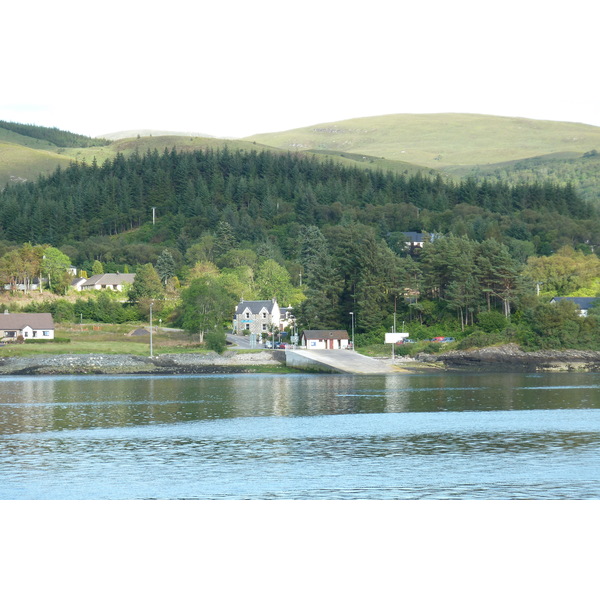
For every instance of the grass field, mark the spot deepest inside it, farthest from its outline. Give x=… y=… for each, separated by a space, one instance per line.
x=440 y=140
x=107 y=339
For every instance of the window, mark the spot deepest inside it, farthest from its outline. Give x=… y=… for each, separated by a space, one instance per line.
x=46 y=334
x=247 y=314
x=264 y=315
x=247 y=326
x=264 y=326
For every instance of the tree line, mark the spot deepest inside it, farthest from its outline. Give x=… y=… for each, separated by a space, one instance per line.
x=267 y=196
x=58 y=137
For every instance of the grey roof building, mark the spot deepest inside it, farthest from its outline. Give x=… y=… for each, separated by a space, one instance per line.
x=584 y=304
x=256 y=316
x=107 y=281
x=26 y=325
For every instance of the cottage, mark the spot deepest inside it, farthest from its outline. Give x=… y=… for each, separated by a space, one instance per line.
x=324 y=339
x=26 y=325
x=584 y=304
x=256 y=316
x=106 y=281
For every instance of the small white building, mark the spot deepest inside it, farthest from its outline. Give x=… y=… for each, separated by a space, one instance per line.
x=324 y=339
x=26 y=325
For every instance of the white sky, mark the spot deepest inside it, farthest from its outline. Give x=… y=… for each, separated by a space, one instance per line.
x=238 y=67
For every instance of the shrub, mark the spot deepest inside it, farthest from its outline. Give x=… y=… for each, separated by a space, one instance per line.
x=216 y=341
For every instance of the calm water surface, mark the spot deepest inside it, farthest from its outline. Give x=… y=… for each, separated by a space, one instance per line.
x=442 y=436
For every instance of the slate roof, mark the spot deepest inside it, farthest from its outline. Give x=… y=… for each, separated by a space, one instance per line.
x=18 y=321
x=109 y=279
x=583 y=303
x=254 y=306
x=325 y=334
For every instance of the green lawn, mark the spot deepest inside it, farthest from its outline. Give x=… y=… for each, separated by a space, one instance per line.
x=106 y=339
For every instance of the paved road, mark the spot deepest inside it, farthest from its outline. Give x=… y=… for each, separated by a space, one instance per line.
x=241 y=341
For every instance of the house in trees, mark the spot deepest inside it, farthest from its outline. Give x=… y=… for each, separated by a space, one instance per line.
x=415 y=240
x=583 y=304
x=106 y=281
x=324 y=339
x=26 y=326
x=256 y=316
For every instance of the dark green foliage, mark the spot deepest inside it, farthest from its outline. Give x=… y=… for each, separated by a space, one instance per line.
x=165 y=266
x=216 y=341
x=266 y=195
x=146 y=284
x=58 y=137
x=206 y=305
x=56 y=340
x=102 y=309
x=557 y=326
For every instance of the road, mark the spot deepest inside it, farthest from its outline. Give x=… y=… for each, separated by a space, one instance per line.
x=242 y=341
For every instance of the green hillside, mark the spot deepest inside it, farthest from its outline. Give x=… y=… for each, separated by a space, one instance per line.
x=19 y=162
x=581 y=170
x=503 y=149
x=440 y=140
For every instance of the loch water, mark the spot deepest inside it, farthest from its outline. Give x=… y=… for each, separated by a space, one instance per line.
x=301 y=436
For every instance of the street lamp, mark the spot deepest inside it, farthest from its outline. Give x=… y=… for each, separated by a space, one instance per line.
x=151 y=304
x=352 y=316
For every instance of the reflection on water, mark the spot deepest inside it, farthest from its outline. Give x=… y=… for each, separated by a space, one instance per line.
x=301 y=436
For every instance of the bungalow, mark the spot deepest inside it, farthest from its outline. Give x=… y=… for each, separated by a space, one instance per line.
x=324 y=339
x=106 y=281
x=584 y=304
x=256 y=316
x=26 y=325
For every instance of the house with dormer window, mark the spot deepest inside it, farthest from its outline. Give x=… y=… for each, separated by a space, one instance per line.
x=256 y=316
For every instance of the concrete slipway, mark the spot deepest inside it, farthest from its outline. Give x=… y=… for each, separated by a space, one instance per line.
x=337 y=361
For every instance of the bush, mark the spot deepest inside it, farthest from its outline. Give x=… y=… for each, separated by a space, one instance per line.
x=481 y=339
x=405 y=350
x=56 y=340
x=491 y=321
x=216 y=341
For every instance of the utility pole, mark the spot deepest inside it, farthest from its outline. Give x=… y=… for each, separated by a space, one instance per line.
x=153 y=215
x=151 y=304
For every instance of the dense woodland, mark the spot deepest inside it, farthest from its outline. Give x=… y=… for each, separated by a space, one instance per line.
x=583 y=172
x=215 y=226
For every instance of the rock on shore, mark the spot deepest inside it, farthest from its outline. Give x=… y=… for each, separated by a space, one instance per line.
x=511 y=358
x=229 y=362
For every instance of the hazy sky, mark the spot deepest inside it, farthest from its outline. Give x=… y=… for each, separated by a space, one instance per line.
x=241 y=67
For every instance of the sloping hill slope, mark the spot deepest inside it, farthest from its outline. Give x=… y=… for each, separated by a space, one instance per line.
x=440 y=140
x=21 y=163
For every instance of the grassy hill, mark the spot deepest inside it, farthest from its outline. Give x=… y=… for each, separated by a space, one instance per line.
x=459 y=145
x=24 y=158
x=440 y=140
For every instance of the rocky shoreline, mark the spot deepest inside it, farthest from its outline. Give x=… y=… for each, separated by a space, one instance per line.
x=127 y=364
x=511 y=358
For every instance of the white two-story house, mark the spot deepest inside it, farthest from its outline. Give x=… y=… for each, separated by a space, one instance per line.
x=256 y=316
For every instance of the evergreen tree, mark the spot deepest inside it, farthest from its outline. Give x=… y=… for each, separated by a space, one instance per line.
x=165 y=266
x=146 y=284
x=97 y=268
